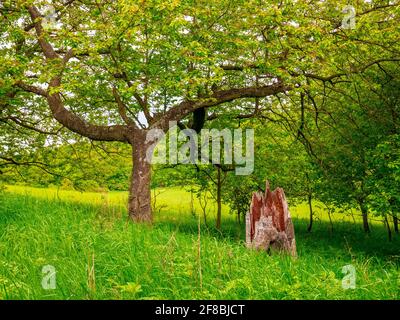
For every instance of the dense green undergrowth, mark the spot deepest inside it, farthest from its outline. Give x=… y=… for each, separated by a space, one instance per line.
x=97 y=254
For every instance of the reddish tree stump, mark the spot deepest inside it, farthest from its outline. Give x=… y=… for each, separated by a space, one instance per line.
x=268 y=223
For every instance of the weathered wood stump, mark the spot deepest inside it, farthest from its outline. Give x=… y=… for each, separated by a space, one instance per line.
x=268 y=223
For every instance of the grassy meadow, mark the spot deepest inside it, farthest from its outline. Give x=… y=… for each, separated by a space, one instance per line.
x=98 y=254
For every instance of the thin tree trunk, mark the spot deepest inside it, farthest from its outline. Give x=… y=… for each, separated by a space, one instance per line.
x=394 y=215
x=388 y=228
x=192 y=211
x=219 y=207
x=352 y=216
x=311 y=212
x=203 y=206
x=139 y=201
x=364 y=212
x=396 y=224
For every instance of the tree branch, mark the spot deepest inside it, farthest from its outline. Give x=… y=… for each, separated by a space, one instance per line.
x=30 y=127
x=40 y=165
x=179 y=111
x=122 y=109
x=60 y=113
x=33 y=89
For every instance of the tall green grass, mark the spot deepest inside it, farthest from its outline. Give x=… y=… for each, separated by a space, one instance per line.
x=99 y=255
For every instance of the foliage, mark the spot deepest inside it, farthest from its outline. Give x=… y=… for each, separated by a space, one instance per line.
x=78 y=165
x=384 y=178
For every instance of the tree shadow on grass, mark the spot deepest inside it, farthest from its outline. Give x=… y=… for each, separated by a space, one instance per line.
x=346 y=240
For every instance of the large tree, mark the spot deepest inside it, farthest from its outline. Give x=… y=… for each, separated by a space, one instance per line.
x=113 y=70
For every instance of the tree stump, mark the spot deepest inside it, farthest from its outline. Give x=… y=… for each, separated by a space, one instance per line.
x=268 y=223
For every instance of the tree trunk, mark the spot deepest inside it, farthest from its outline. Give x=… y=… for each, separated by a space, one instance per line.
x=203 y=206
x=219 y=207
x=311 y=212
x=139 y=201
x=364 y=212
x=388 y=228
x=192 y=211
x=396 y=224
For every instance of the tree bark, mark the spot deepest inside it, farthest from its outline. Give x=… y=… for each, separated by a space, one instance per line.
x=396 y=224
x=364 y=212
x=388 y=227
x=139 y=201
